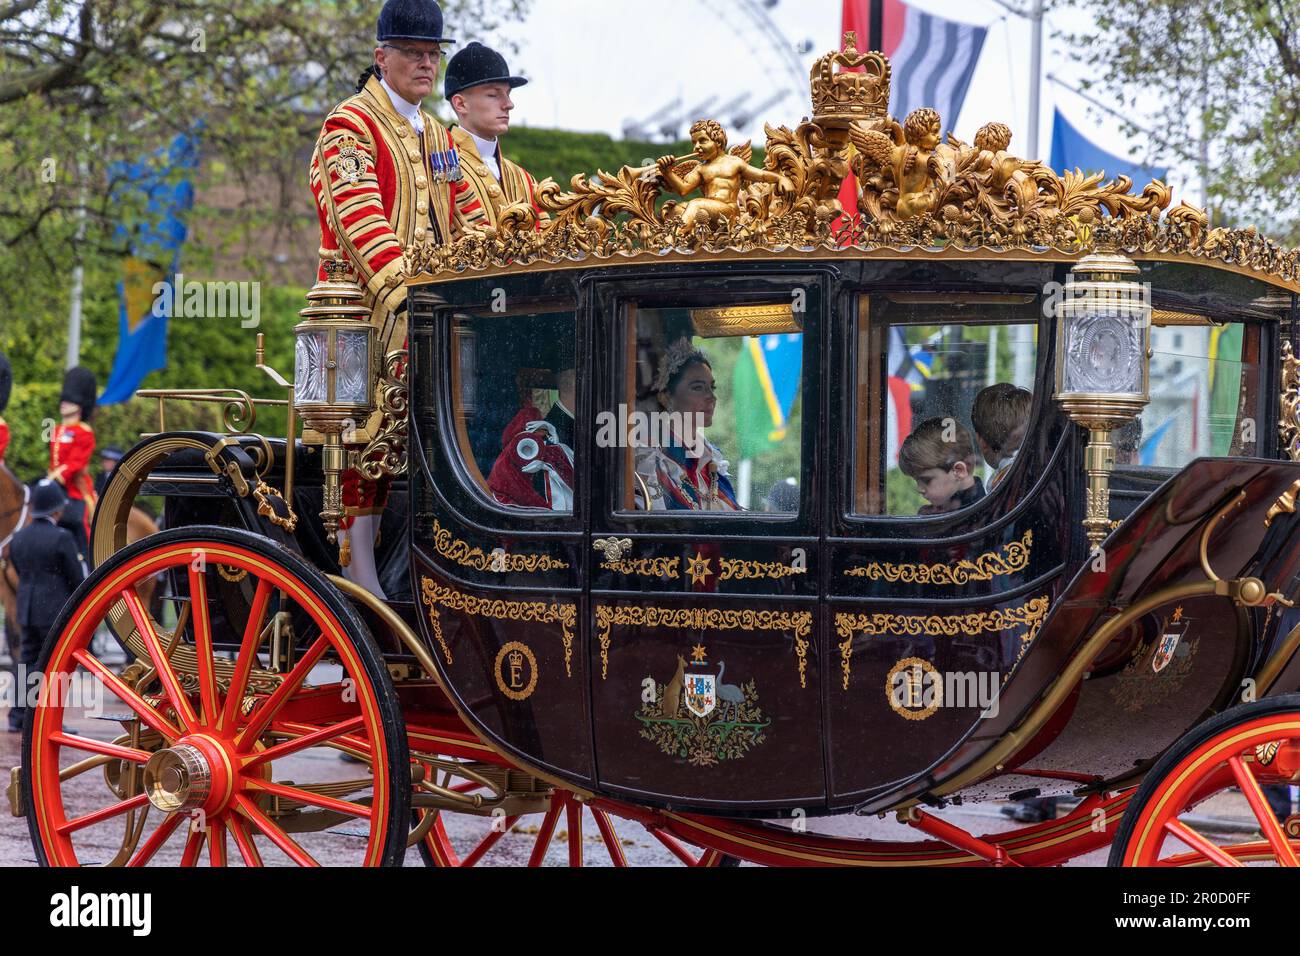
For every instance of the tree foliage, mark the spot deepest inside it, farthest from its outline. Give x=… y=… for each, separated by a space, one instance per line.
x=1228 y=70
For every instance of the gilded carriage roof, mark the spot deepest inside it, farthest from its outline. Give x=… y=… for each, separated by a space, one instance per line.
x=918 y=195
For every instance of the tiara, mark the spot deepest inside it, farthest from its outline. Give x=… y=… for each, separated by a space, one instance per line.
x=679 y=355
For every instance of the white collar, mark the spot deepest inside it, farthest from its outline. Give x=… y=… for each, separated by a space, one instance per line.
x=487 y=150
x=406 y=110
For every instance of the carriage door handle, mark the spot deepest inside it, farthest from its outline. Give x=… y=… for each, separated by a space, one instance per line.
x=613 y=548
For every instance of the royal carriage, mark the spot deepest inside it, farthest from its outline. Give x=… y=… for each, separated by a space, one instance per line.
x=1112 y=622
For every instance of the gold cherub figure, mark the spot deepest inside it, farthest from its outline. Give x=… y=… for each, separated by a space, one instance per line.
x=720 y=175
x=907 y=156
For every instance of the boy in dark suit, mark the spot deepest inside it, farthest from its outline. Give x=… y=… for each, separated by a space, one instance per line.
x=49 y=571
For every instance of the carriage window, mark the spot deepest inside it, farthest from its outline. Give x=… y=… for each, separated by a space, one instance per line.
x=514 y=400
x=1205 y=395
x=711 y=410
x=945 y=391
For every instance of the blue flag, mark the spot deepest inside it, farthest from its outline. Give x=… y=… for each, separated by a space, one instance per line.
x=1072 y=150
x=155 y=243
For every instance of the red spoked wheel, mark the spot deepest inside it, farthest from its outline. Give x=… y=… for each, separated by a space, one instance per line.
x=532 y=824
x=1238 y=767
x=221 y=744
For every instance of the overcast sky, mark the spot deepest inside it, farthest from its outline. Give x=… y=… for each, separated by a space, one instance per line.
x=598 y=64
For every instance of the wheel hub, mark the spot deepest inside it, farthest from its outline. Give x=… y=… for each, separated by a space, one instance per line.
x=179 y=779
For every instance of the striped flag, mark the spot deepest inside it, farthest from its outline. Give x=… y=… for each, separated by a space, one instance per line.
x=933 y=61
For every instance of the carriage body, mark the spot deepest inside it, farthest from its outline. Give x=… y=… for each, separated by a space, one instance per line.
x=821 y=615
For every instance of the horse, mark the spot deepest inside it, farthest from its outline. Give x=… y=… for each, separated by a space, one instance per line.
x=15 y=514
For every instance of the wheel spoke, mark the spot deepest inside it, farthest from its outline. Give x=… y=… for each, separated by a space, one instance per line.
x=99 y=747
x=1268 y=823
x=162 y=665
x=273 y=832
x=193 y=848
x=489 y=841
x=263 y=715
x=244 y=663
x=573 y=819
x=107 y=813
x=203 y=644
x=217 y=846
x=312 y=799
x=280 y=751
x=244 y=840
x=138 y=704
x=547 y=829
x=1197 y=842
x=609 y=836
x=155 y=842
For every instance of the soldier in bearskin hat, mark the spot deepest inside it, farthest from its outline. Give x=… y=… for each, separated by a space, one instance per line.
x=71 y=450
x=478 y=87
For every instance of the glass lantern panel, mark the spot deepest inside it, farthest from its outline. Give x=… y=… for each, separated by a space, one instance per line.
x=352 y=386
x=310 y=355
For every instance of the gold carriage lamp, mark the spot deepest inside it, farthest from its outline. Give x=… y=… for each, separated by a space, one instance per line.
x=1103 y=366
x=336 y=365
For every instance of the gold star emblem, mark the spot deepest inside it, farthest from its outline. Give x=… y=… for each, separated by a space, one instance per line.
x=699 y=655
x=1178 y=615
x=699 y=569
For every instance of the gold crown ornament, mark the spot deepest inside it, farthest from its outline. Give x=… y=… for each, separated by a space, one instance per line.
x=860 y=91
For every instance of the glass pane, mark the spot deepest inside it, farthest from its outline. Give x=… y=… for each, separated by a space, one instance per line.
x=956 y=406
x=712 y=416
x=309 y=368
x=1204 y=397
x=352 y=384
x=514 y=385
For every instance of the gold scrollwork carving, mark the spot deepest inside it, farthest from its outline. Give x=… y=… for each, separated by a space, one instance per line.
x=916 y=191
x=386 y=454
x=1290 y=399
x=645 y=567
x=799 y=622
x=498 y=562
x=734 y=569
x=848 y=627
x=436 y=596
x=272 y=506
x=1012 y=559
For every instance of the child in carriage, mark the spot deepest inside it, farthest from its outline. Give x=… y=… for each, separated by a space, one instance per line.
x=940 y=458
x=1001 y=419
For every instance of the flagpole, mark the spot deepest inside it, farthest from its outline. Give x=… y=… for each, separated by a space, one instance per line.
x=877 y=38
x=73 y=358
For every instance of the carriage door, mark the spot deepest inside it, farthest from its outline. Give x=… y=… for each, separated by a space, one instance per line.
x=704 y=668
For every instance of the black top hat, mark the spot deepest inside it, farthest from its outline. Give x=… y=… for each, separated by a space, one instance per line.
x=476 y=65
x=80 y=388
x=6 y=382
x=48 y=498
x=411 y=20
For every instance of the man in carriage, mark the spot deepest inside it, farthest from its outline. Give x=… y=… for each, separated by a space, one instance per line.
x=386 y=176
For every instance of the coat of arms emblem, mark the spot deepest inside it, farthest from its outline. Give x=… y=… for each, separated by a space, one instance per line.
x=1170 y=637
x=698 y=717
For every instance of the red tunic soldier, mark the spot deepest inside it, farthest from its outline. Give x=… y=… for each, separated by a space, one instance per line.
x=73 y=444
x=6 y=384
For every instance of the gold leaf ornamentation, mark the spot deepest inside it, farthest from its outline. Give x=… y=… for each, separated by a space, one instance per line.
x=386 y=454
x=645 y=567
x=500 y=562
x=733 y=569
x=1011 y=560
x=1290 y=402
x=849 y=627
x=437 y=597
x=798 y=622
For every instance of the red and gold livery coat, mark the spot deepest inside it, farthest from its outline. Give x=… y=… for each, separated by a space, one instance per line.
x=388 y=188
x=480 y=199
